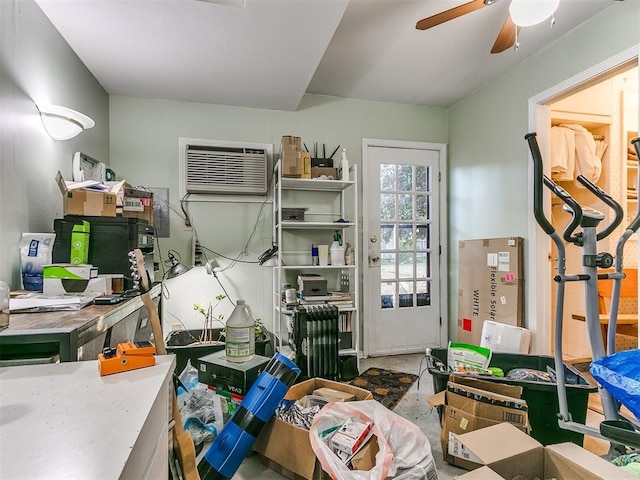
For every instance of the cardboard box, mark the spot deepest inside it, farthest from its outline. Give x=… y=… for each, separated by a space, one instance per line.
x=490 y=285
x=135 y=203
x=327 y=171
x=290 y=150
x=334 y=395
x=502 y=338
x=305 y=159
x=88 y=203
x=504 y=452
x=68 y=270
x=61 y=286
x=216 y=371
x=471 y=404
x=288 y=446
x=79 y=253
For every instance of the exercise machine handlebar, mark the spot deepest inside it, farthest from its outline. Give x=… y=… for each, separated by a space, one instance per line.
x=609 y=201
x=538 y=211
x=635 y=223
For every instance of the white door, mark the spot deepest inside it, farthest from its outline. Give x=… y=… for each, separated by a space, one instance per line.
x=403 y=233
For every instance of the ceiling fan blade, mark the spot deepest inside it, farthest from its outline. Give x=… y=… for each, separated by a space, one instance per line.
x=450 y=14
x=506 y=38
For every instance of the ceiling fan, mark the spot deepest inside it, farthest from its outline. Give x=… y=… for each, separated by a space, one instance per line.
x=508 y=34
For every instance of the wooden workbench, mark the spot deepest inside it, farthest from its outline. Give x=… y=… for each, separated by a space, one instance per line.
x=66 y=333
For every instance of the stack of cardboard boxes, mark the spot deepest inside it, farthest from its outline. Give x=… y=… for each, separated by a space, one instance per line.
x=118 y=199
x=470 y=404
x=503 y=452
x=485 y=429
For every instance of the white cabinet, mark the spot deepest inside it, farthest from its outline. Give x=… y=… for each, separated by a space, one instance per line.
x=329 y=206
x=63 y=420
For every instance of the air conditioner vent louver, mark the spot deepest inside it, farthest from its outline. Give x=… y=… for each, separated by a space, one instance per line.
x=226 y=170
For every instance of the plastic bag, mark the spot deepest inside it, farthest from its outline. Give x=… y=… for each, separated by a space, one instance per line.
x=200 y=408
x=405 y=452
x=530 y=374
x=620 y=375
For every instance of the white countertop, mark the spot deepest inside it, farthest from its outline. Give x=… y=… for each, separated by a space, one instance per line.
x=65 y=421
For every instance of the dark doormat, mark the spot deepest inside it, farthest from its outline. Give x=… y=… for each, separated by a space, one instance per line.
x=387 y=386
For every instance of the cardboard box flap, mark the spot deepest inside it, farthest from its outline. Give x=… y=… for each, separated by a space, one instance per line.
x=437 y=400
x=472 y=399
x=487 y=385
x=307 y=387
x=568 y=460
x=482 y=473
x=493 y=444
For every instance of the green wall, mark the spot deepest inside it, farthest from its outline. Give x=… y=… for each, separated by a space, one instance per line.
x=37 y=65
x=488 y=157
x=144 y=150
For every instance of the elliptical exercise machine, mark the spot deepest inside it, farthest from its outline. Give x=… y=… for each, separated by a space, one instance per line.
x=619 y=431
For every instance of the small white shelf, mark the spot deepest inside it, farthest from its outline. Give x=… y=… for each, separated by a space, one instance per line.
x=316 y=267
x=314 y=184
x=329 y=200
x=290 y=225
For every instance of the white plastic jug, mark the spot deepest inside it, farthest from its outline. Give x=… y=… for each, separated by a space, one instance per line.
x=240 y=337
x=337 y=254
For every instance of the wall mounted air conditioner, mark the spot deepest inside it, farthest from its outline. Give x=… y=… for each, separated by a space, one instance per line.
x=210 y=167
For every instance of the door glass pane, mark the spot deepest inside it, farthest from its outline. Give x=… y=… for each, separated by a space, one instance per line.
x=388 y=265
x=406 y=265
x=387 y=177
x=423 y=293
x=405 y=294
x=387 y=294
x=405 y=237
x=387 y=237
x=421 y=265
x=405 y=207
x=405 y=178
x=422 y=237
x=387 y=207
x=421 y=179
x=422 y=207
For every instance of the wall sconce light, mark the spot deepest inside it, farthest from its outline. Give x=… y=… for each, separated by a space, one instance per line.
x=63 y=123
x=525 y=13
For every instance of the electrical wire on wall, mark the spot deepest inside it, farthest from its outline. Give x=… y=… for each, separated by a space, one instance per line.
x=185 y=216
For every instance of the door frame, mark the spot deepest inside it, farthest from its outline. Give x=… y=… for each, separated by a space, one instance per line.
x=538 y=298
x=443 y=224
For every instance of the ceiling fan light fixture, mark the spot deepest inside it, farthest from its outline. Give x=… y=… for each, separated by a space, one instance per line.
x=526 y=13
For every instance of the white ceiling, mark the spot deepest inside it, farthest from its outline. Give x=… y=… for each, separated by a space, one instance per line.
x=271 y=52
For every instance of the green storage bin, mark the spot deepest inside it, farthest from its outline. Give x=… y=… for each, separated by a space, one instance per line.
x=541 y=397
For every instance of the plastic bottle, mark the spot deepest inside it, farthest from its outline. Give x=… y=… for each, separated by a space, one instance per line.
x=344 y=166
x=240 y=339
x=337 y=250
